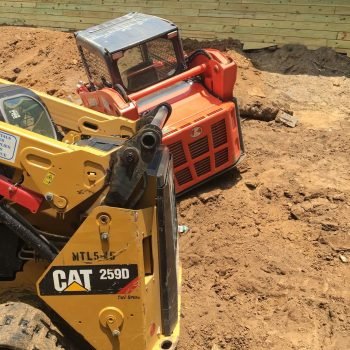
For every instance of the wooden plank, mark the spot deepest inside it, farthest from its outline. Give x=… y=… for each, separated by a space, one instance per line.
x=316 y=18
x=29 y=10
x=217 y=28
x=343 y=44
x=98 y=15
x=276 y=39
x=235 y=14
x=165 y=11
x=87 y=7
x=277 y=8
x=198 y=34
x=343 y=36
x=203 y=20
x=42 y=23
x=298 y=33
x=175 y=4
x=332 y=27
x=276 y=16
x=66 y=1
x=29 y=18
x=185 y=1
x=299 y=2
x=17 y=4
x=131 y=6
x=342 y=10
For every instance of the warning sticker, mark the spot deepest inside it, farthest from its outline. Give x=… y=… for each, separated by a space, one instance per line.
x=8 y=146
x=97 y=279
x=48 y=178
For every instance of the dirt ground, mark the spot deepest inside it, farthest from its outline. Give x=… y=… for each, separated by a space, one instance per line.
x=266 y=263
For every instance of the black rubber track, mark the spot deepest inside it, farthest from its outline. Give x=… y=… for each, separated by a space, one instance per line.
x=23 y=327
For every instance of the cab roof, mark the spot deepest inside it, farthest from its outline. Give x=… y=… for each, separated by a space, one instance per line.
x=124 y=32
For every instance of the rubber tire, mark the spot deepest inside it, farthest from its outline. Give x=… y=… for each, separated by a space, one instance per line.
x=24 y=327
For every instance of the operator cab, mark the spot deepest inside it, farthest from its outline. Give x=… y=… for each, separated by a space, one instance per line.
x=131 y=53
x=23 y=108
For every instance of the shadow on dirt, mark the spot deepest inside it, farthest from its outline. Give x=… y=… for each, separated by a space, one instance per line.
x=224 y=181
x=298 y=59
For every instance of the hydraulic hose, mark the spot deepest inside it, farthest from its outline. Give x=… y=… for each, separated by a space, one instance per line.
x=25 y=231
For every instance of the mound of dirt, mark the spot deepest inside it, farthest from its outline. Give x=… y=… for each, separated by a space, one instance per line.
x=298 y=59
x=222 y=45
x=42 y=59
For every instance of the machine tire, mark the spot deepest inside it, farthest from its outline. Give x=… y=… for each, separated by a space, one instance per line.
x=24 y=327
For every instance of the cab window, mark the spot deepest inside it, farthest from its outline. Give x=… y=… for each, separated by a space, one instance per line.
x=148 y=63
x=29 y=114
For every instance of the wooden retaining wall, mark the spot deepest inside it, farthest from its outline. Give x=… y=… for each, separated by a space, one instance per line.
x=257 y=23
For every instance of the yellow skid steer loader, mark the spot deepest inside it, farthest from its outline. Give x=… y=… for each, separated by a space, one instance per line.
x=88 y=228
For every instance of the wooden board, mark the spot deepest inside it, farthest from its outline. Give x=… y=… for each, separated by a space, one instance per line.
x=256 y=22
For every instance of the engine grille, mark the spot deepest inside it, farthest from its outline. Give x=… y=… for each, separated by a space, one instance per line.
x=203 y=166
x=199 y=147
x=219 y=133
x=183 y=176
x=221 y=157
x=177 y=150
x=206 y=149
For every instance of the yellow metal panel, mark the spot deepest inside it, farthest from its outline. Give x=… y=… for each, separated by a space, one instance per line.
x=140 y=326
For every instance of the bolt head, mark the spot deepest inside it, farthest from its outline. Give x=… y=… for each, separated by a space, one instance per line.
x=49 y=196
x=104 y=236
x=116 y=333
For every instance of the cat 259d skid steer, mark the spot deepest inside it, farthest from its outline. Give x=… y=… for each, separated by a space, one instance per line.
x=88 y=228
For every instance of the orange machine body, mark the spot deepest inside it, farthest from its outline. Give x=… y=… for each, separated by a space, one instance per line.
x=203 y=132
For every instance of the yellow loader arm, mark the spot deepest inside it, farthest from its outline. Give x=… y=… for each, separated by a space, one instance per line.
x=83 y=120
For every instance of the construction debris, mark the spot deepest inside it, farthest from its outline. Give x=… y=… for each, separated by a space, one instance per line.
x=287 y=119
x=343 y=259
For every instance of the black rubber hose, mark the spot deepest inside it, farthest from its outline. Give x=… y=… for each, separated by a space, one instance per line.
x=25 y=233
x=196 y=53
x=122 y=92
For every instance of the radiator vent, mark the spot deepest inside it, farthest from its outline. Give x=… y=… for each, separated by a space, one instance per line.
x=203 y=166
x=183 y=176
x=202 y=156
x=221 y=157
x=214 y=112
x=177 y=150
x=199 y=147
x=219 y=133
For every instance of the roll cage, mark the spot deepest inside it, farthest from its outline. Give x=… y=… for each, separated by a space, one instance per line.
x=131 y=52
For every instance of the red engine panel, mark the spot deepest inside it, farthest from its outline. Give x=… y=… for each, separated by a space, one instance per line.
x=202 y=132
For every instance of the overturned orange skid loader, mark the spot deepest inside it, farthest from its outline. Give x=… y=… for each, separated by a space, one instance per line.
x=136 y=62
